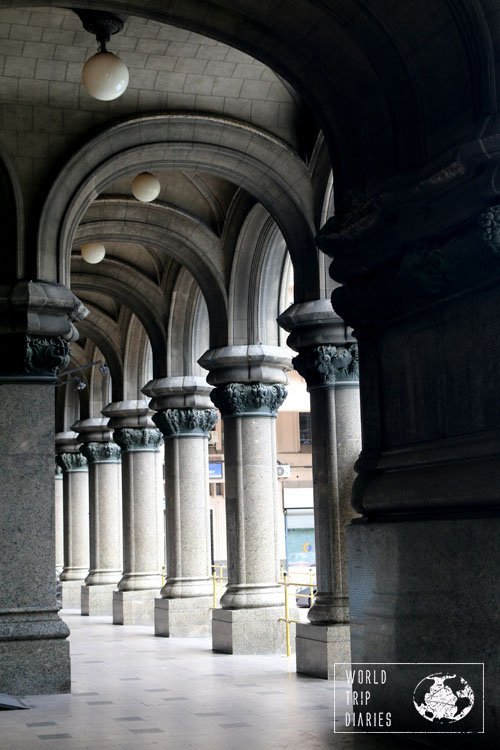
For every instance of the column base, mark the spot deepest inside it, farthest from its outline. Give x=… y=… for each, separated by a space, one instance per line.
x=319 y=647
x=97 y=600
x=34 y=667
x=427 y=590
x=71 y=594
x=134 y=607
x=250 y=631
x=183 y=618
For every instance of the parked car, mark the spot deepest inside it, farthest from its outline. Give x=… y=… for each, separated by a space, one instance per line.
x=303 y=597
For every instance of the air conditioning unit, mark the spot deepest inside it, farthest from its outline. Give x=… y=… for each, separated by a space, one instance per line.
x=283 y=470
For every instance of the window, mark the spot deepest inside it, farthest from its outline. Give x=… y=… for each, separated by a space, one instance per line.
x=305 y=430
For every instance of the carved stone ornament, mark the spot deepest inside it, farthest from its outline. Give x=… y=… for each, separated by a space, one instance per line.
x=137 y=439
x=248 y=399
x=45 y=355
x=71 y=462
x=58 y=471
x=98 y=453
x=489 y=222
x=189 y=422
x=326 y=364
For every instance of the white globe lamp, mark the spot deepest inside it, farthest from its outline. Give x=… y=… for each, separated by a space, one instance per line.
x=105 y=76
x=146 y=187
x=93 y=252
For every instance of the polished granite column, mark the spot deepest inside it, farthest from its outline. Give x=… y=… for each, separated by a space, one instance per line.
x=105 y=517
x=140 y=442
x=76 y=517
x=59 y=519
x=35 y=327
x=186 y=598
x=331 y=373
x=250 y=387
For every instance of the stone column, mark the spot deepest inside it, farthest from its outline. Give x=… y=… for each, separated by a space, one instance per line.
x=331 y=373
x=140 y=441
x=184 y=607
x=35 y=326
x=59 y=520
x=75 y=518
x=104 y=460
x=250 y=388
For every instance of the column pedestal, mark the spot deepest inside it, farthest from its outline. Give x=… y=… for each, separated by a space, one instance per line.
x=97 y=600
x=249 y=631
x=319 y=647
x=183 y=618
x=134 y=607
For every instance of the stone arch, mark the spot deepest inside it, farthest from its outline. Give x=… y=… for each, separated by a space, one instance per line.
x=167 y=229
x=141 y=303
x=255 y=280
x=257 y=161
x=135 y=360
x=188 y=327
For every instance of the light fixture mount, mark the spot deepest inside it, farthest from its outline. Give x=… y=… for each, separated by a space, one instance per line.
x=101 y=23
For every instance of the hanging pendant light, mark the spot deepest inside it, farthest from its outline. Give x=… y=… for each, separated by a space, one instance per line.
x=146 y=187
x=93 y=252
x=105 y=76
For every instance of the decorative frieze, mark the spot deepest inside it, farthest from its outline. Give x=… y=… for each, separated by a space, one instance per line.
x=71 y=462
x=98 y=453
x=327 y=364
x=138 y=439
x=46 y=354
x=188 y=422
x=248 y=399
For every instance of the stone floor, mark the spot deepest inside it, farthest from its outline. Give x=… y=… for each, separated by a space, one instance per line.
x=132 y=691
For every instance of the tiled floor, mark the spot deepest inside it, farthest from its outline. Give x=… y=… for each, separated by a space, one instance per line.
x=132 y=691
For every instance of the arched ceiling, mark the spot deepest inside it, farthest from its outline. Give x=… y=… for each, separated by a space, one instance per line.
x=254 y=82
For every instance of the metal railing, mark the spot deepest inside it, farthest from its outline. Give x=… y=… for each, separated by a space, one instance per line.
x=217 y=579
x=287 y=583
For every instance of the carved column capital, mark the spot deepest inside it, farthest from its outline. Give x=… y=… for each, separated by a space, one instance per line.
x=138 y=439
x=248 y=399
x=327 y=365
x=185 y=422
x=58 y=471
x=100 y=453
x=71 y=462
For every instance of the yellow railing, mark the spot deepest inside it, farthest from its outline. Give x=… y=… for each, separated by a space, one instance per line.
x=286 y=582
x=217 y=579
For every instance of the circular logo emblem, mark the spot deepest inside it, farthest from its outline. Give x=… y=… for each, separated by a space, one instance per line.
x=443 y=698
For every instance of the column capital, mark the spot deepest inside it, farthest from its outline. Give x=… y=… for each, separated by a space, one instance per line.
x=248 y=399
x=71 y=462
x=132 y=413
x=253 y=363
x=328 y=365
x=185 y=422
x=95 y=430
x=58 y=472
x=138 y=439
x=101 y=453
x=313 y=323
x=178 y=393
x=36 y=323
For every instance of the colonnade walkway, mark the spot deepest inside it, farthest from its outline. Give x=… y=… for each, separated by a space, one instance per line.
x=132 y=691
